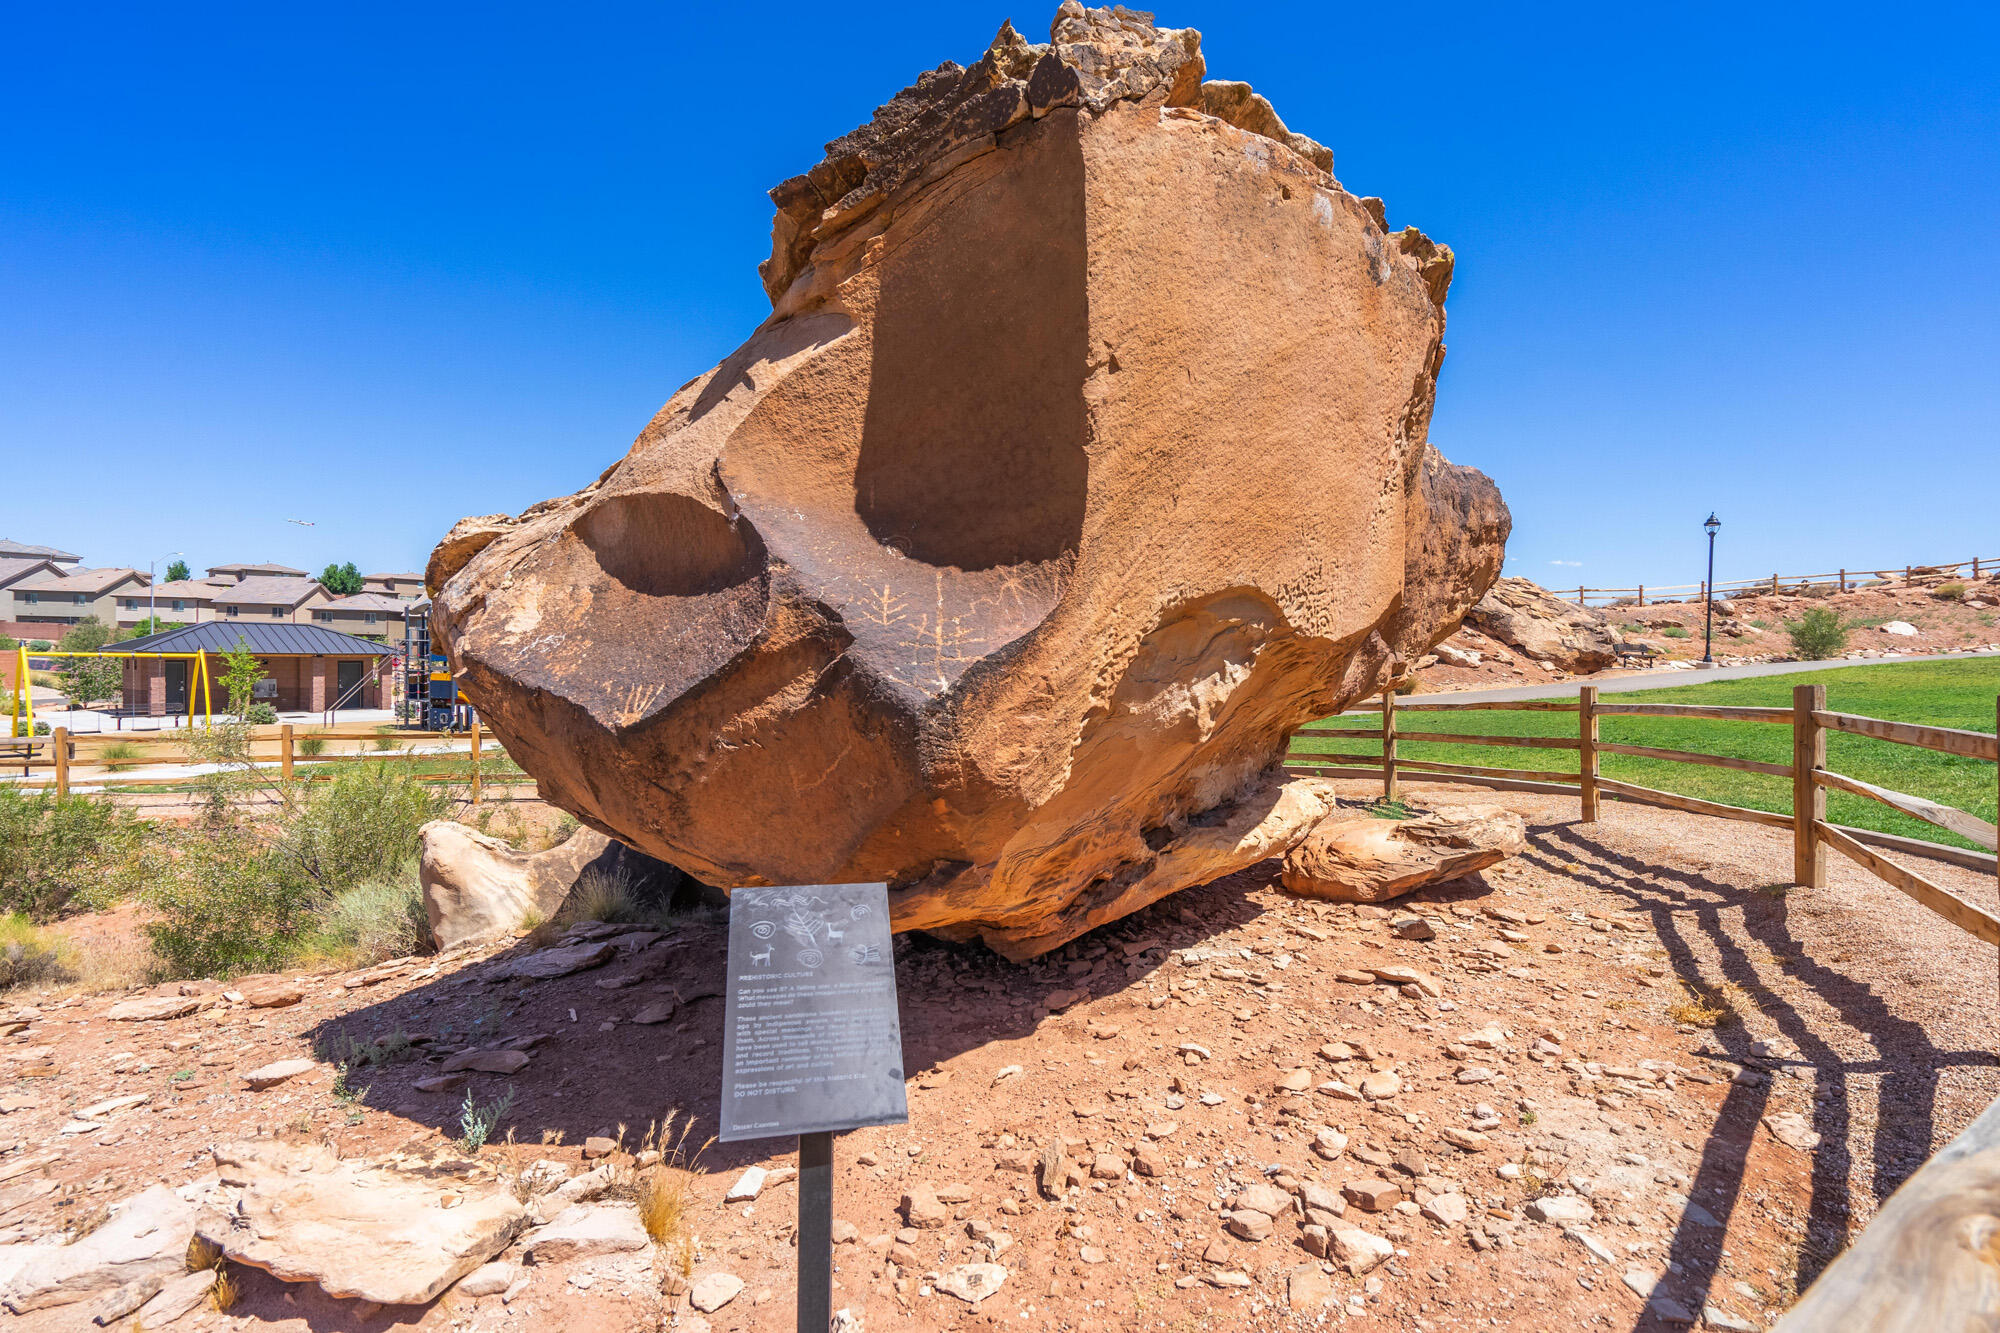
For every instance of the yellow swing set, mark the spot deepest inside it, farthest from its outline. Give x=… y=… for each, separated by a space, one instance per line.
x=21 y=708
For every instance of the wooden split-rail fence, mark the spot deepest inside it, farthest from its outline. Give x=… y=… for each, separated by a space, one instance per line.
x=1842 y=579
x=1811 y=779
x=57 y=753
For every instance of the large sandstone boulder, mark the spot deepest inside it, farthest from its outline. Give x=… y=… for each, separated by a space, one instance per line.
x=1083 y=458
x=1367 y=860
x=1531 y=620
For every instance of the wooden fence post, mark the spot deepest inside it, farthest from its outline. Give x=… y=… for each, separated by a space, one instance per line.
x=475 y=761
x=1808 y=797
x=1388 y=745
x=285 y=752
x=1586 y=742
x=1579 y=596
x=1642 y=594
x=1774 y=585
x=1843 y=580
x=60 y=737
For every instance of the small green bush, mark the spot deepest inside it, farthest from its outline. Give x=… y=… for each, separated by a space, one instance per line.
x=1817 y=635
x=29 y=955
x=1675 y=632
x=121 y=754
x=59 y=849
x=260 y=715
x=224 y=906
x=39 y=645
x=383 y=918
x=1949 y=592
x=311 y=745
x=359 y=826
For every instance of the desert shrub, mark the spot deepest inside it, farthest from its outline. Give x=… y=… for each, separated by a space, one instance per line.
x=380 y=918
x=1949 y=592
x=30 y=955
x=8 y=643
x=59 y=850
x=311 y=745
x=603 y=896
x=231 y=900
x=1817 y=634
x=86 y=636
x=359 y=826
x=260 y=715
x=39 y=645
x=1817 y=590
x=1675 y=631
x=121 y=754
x=20 y=726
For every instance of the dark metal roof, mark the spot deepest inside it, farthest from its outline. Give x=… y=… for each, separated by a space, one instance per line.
x=266 y=640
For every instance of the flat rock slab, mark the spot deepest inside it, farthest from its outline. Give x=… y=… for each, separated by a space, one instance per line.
x=360 y=1231
x=972 y=1282
x=175 y=1298
x=1368 y=860
x=712 y=1291
x=586 y=1230
x=278 y=1071
x=154 y=1008
x=146 y=1236
x=548 y=964
x=487 y=1062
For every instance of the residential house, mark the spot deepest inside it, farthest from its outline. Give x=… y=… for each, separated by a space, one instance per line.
x=408 y=587
x=238 y=573
x=52 y=598
x=13 y=550
x=187 y=601
x=370 y=615
x=14 y=568
x=265 y=598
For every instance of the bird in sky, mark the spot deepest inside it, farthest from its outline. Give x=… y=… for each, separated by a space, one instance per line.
x=304 y=523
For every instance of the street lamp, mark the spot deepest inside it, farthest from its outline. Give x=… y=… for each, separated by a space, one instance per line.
x=1708 y=628
x=152 y=595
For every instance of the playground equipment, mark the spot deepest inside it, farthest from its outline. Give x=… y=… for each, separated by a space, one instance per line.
x=21 y=706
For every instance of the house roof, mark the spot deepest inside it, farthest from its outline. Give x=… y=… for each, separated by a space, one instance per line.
x=14 y=568
x=282 y=570
x=366 y=601
x=78 y=580
x=199 y=590
x=268 y=591
x=14 y=548
x=407 y=578
x=266 y=640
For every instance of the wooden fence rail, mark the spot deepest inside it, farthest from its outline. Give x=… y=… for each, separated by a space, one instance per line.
x=1812 y=835
x=1973 y=568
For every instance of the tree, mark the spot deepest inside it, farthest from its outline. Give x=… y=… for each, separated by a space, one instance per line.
x=85 y=636
x=240 y=673
x=85 y=680
x=1817 y=635
x=341 y=580
x=177 y=571
x=151 y=625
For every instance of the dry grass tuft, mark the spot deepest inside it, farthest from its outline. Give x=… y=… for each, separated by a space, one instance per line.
x=666 y=1194
x=202 y=1253
x=1703 y=1007
x=225 y=1292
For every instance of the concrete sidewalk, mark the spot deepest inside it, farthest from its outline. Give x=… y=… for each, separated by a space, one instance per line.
x=1655 y=680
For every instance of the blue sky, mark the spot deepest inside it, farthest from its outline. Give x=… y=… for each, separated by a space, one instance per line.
x=379 y=267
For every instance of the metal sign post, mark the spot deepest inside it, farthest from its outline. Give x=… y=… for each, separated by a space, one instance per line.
x=811 y=1043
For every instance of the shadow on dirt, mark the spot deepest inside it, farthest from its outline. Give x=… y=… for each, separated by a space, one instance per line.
x=1685 y=906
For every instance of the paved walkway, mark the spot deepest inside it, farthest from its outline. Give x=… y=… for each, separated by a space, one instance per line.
x=1656 y=680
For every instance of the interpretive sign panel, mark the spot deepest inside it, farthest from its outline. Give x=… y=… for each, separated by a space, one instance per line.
x=810 y=1037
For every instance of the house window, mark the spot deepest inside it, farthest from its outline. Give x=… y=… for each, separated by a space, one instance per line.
x=232 y=610
x=371 y=617
x=34 y=598
x=80 y=598
x=277 y=612
x=131 y=603
x=178 y=606
x=323 y=616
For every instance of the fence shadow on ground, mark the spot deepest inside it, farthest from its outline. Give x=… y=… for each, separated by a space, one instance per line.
x=1686 y=907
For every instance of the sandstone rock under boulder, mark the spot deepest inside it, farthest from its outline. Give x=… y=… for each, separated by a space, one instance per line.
x=362 y=1231
x=1368 y=860
x=478 y=888
x=1531 y=620
x=1083 y=459
x=147 y=1236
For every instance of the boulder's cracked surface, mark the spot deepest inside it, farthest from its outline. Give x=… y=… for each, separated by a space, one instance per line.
x=1083 y=457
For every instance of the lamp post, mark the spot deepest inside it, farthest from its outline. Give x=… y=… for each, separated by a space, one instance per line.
x=1708 y=627
x=152 y=595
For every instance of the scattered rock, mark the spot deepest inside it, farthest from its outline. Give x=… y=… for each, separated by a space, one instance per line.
x=1372 y=1196
x=487 y=1062
x=441 y=1083
x=1561 y=1209
x=278 y=1071
x=489 y=1279
x=177 y=1296
x=657 y=1012
x=269 y=992
x=922 y=1209
x=747 y=1187
x=547 y=964
x=1447 y=1209
x=1329 y=1143
x=154 y=1008
x=972 y=1283
x=1465 y=1140
x=1367 y=860
x=1793 y=1130
x=712 y=1291
x=1357 y=1250
x=586 y=1230
x=1381 y=1086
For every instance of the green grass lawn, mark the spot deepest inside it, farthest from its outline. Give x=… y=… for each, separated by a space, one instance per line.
x=1944 y=694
